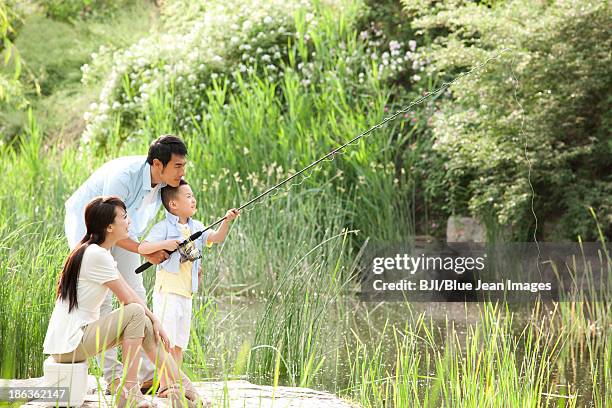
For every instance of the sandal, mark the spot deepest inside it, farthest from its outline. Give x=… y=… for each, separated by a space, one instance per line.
x=185 y=386
x=162 y=392
x=180 y=397
x=133 y=397
x=189 y=389
x=184 y=393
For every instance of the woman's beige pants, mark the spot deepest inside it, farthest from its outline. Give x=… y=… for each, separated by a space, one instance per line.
x=128 y=322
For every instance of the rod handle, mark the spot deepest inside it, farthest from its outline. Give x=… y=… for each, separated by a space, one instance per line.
x=143 y=267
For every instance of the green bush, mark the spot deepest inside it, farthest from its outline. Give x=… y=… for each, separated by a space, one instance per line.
x=70 y=10
x=559 y=123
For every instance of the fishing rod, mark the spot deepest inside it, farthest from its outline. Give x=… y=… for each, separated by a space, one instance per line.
x=417 y=101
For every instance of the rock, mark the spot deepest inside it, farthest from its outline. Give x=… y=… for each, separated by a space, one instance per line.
x=464 y=229
x=232 y=394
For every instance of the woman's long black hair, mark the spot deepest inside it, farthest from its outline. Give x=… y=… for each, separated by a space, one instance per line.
x=99 y=214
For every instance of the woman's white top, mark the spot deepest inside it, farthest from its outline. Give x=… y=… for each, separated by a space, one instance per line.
x=65 y=328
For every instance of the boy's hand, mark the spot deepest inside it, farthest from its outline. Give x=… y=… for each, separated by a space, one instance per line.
x=230 y=215
x=170 y=244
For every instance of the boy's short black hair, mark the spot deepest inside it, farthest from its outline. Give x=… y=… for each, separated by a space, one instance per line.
x=168 y=193
x=163 y=148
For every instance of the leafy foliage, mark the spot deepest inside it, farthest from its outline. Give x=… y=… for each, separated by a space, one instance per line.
x=71 y=10
x=543 y=109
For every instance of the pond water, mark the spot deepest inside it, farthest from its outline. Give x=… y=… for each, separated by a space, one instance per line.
x=236 y=320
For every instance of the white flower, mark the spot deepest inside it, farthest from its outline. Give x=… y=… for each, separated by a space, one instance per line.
x=394 y=45
x=412 y=45
x=416 y=78
x=267 y=20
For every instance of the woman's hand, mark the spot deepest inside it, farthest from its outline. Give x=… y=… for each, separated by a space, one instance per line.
x=160 y=334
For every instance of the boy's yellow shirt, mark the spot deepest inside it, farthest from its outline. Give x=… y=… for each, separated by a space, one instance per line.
x=180 y=283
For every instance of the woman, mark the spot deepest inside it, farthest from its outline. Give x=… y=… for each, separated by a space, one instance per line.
x=76 y=331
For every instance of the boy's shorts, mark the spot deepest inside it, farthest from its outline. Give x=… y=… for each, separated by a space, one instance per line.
x=174 y=312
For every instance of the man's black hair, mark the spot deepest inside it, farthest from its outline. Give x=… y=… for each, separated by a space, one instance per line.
x=168 y=193
x=164 y=147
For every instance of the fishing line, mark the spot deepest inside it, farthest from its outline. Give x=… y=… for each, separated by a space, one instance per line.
x=529 y=167
x=332 y=153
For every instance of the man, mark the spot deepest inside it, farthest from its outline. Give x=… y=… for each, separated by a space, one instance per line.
x=137 y=180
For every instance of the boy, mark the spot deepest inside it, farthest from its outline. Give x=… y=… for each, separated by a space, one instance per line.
x=177 y=277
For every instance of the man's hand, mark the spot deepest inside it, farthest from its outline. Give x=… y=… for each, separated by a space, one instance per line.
x=157 y=257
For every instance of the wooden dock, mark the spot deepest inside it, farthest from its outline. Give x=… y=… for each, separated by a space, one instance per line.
x=232 y=394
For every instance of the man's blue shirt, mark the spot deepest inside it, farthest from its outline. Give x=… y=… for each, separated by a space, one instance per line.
x=129 y=178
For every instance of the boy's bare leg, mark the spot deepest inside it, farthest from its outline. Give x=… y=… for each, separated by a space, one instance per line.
x=177 y=354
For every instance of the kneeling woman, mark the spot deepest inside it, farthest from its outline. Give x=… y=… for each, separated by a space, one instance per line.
x=76 y=331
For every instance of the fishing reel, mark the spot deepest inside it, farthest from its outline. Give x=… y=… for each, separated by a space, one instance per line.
x=189 y=252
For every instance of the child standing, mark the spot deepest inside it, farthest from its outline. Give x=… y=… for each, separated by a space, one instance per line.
x=177 y=277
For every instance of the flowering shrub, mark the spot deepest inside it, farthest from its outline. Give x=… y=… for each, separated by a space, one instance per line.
x=242 y=35
x=227 y=43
